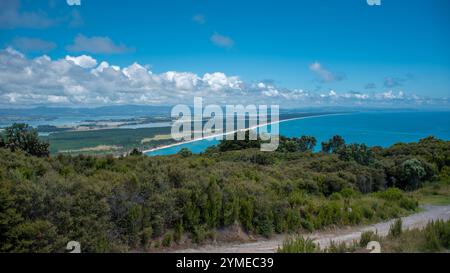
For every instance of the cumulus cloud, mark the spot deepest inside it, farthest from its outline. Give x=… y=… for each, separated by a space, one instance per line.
x=199 y=19
x=325 y=75
x=11 y=16
x=96 y=45
x=83 y=80
x=222 y=41
x=33 y=45
x=391 y=95
x=84 y=61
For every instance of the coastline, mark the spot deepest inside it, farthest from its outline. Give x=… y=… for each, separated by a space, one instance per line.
x=235 y=131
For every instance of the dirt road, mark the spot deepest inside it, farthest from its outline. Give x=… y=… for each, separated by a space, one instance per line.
x=417 y=220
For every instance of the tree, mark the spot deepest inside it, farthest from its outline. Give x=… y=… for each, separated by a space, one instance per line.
x=2 y=142
x=306 y=143
x=235 y=144
x=135 y=152
x=287 y=145
x=185 y=152
x=357 y=152
x=412 y=172
x=333 y=145
x=25 y=138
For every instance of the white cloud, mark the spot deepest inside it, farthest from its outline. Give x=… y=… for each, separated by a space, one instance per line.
x=78 y=80
x=391 y=95
x=219 y=81
x=222 y=41
x=182 y=80
x=104 y=66
x=14 y=52
x=74 y=2
x=96 y=45
x=324 y=74
x=84 y=61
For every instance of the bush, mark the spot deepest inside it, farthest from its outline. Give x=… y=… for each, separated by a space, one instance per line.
x=395 y=195
x=298 y=244
x=355 y=216
x=307 y=225
x=437 y=235
x=167 y=240
x=263 y=222
x=349 y=193
x=178 y=234
x=199 y=234
x=396 y=228
x=336 y=196
x=391 y=194
x=185 y=152
x=367 y=237
x=262 y=159
x=146 y=236
x=340 y=247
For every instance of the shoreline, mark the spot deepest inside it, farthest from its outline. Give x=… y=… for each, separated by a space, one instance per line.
x=235 y=131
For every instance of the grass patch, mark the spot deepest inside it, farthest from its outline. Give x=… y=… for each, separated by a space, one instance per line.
x=78 y=141
x=437 y=194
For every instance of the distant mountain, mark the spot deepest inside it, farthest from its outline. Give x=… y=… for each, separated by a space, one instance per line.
x=117 y=110
x=146 y=110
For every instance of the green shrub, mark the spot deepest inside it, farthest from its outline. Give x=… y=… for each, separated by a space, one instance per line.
x=367 y=237
x=437 y=234
x=340 y=247
x=367 y=213
x=179 y=230
x=185 y=152
x=167 y=240
x=355 y=216
x=298 y=244
x=391 y=194
x=336 y=196
x=395 y=229
x=199 y=234
x=307 y=225
x=349 y=193
x=146 y=235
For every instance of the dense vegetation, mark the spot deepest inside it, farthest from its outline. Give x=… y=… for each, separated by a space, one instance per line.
x=139 y=202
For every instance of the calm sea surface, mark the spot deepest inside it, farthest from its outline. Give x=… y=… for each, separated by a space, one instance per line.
x=373 y=129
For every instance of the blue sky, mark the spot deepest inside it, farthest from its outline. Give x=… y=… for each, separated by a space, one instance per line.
x=327 y=49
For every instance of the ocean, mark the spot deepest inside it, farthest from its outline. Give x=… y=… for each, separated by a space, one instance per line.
x=372 y=128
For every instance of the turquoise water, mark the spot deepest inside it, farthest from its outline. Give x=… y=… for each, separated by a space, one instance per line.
x=373 y=129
